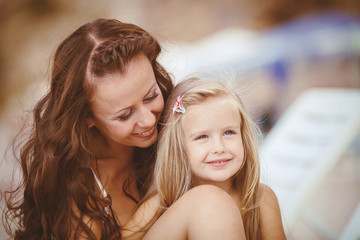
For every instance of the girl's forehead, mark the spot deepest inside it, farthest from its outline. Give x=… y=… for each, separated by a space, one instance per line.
x=212 y=115
x=212 y=106
x=214 y=100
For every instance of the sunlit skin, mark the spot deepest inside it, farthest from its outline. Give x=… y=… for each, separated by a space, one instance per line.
x=127 y=106
x=214 y=142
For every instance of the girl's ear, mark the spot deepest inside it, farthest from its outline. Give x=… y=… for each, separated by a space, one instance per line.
x=90 y=122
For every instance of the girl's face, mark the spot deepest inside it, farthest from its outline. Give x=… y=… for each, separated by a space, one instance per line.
x=127 y=106
x=213 y=139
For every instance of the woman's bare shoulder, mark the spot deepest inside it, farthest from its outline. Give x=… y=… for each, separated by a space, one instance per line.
x=92 y=224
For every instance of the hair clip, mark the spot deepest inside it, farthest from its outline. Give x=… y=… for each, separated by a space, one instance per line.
x=177 y=107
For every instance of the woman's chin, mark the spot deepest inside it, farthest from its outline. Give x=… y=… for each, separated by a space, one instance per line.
x=148 y=142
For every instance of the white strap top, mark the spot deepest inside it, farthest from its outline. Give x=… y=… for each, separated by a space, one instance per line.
x=103 y=192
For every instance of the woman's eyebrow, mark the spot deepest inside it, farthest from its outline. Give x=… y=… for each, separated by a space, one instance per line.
x=151 y=88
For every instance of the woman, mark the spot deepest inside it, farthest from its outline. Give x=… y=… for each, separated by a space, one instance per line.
x=87 y=160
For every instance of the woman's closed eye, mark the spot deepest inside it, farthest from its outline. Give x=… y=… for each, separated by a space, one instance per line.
x=125 y=116
x=151 y=97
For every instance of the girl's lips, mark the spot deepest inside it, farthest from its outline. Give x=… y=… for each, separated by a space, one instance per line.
x=145 y=134
x=219 y=162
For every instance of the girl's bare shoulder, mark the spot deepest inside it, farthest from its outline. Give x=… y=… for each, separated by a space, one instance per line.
x=267 y=195
x=270 y=214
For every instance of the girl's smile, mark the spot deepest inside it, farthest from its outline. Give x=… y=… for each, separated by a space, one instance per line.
x=219 y=162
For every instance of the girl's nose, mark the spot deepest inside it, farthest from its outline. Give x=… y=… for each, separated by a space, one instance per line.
x=218 y=145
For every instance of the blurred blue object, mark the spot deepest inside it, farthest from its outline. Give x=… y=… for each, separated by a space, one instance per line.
x=312 y=37
x=309 y=38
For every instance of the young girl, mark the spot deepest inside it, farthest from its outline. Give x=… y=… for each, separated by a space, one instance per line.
x=208 y=138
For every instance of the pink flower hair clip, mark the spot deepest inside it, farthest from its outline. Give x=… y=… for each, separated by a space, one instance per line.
x=178 y=107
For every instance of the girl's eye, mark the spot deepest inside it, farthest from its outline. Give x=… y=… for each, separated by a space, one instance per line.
x=200 y=137
x=229 y=132
x=153 y=96
x=125 y=117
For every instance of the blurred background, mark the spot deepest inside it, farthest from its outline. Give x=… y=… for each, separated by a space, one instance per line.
x=279 y=49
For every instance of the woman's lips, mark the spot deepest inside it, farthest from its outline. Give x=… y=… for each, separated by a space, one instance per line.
x=145 y=134
x=219 y=162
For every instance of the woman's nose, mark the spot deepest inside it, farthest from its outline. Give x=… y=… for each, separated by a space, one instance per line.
x=146 y=118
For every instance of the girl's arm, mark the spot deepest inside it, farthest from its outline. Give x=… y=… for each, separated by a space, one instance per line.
x=270 y=216
x=203 y=212
x=135 y=228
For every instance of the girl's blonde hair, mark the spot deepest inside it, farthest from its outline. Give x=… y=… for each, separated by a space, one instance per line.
x=172 y=173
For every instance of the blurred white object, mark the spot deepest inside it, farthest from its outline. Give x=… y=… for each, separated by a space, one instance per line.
x=352 y=229
x=217 y=50
x=305 y=144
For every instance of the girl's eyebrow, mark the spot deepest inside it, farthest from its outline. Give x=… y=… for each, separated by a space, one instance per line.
x=151 y=88
x=197 y=134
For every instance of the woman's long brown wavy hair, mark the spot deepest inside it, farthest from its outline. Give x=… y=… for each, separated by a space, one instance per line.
x=58 y=187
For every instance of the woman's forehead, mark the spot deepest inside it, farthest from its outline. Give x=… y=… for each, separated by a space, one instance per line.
x=124 y=89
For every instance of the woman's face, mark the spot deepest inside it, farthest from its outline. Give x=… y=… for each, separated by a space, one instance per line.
x=127 y=106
